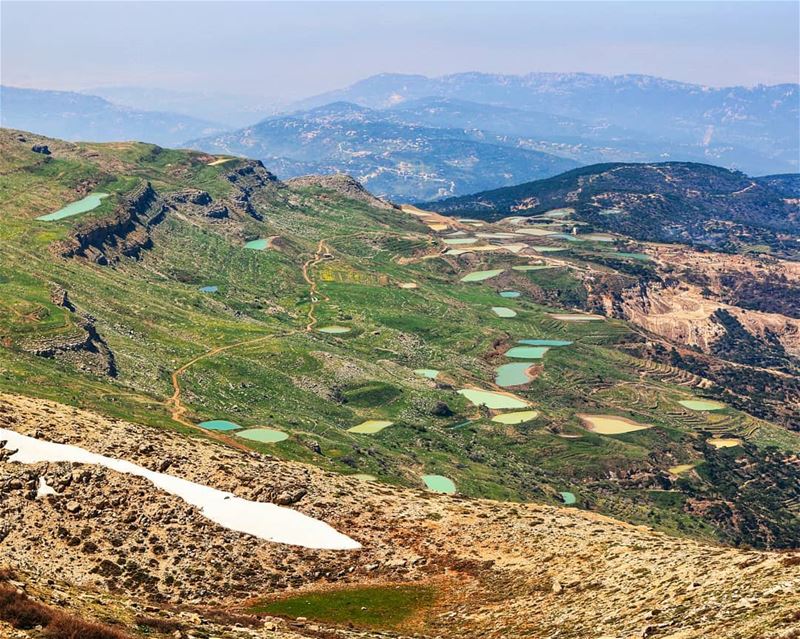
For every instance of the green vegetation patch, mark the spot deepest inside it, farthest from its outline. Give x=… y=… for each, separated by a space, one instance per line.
x=371 y=394
x=372 y=607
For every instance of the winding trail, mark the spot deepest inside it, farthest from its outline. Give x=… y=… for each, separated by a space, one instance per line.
x=175 y=403
x=319 y=256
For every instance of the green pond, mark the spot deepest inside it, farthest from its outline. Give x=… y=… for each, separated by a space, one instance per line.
x=461 y=240
x=439 y=484
x=531 y=267
x=558 y=213
x=335 y=330
x=567 y=236
x=497 y=236
x=502 y=311
x=512 y=374
x=568 y=498
x=634 y=256
x=85 y=205
x=370 y=427
x=491 y=399
x=701 y=404
x=480 y=276
x=264 y=435
x=462 y=424
x=257 y=245
x=510 y=294
x=526 y=352
x=219 y=424
x=548 y=249
x=518 y=417
x=430 y=373
x=545 y=342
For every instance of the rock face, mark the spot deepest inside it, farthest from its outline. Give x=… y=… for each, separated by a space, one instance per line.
x=124 y=233
x=499 y=569
x=129 y=229
x=84 y=348
x=341 y=183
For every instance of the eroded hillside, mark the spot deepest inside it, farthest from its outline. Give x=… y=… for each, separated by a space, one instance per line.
x=307 y=345
x=494 y=569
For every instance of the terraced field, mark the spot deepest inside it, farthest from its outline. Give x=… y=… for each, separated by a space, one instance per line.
x=318 y=335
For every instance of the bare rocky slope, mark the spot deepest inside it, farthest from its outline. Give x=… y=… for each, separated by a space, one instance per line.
x=116 y=547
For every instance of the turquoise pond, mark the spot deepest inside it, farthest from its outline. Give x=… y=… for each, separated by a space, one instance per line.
x=430 y=373
x=531 y=267
x=263 y=435
x=85 y=205
x=568 y=498
x=439 y=484
x=209 y=289
x=334 y=330
x=462 y=240
x=635 y=256
x=492 y=399
x=219 y=424
x=512 y=374
x=527 y=352
x=502 y=311
x=510 y=294
x=257 y=245
x=545 y=342
x=480 y=276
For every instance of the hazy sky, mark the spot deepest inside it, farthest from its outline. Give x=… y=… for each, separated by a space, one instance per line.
x=297 y=49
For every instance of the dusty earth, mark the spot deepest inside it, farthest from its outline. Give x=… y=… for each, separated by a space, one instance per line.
x=109 y=546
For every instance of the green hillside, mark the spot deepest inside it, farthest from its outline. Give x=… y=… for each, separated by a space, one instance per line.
x=105 y=310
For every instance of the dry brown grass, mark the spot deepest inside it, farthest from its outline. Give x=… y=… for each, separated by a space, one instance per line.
x=23 y=613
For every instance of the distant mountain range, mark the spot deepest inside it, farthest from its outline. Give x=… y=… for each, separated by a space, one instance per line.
x=75 y=116
x=390 y=152
x=754 y=129
x=230 y=110
x=412 y=138
x=666 y=202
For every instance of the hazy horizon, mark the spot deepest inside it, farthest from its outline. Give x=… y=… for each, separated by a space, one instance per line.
x=288 y=51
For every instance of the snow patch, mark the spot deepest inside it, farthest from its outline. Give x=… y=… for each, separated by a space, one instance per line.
x=44 y=489
x=265 y=521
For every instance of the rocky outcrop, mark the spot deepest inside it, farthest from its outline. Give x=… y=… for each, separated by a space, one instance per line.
x=250 y=178
x=84 y=347
x=129 y=229
x=126 y=232
x=499 y=569
x=343 y=184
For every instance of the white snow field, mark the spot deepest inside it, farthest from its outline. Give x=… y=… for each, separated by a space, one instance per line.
x=262 y=520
